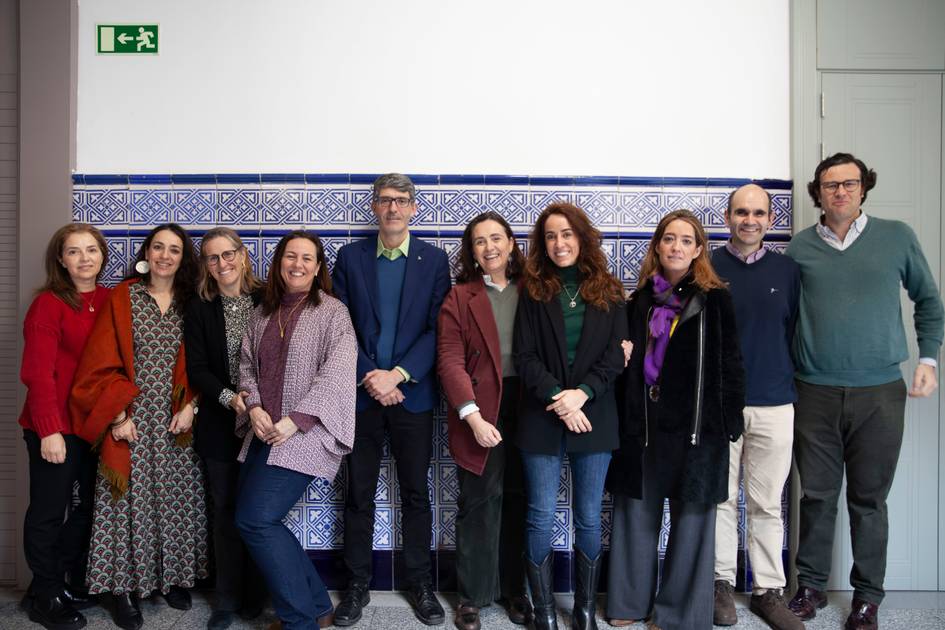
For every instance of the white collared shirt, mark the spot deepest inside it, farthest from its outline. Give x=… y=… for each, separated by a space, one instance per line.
x=829 y=237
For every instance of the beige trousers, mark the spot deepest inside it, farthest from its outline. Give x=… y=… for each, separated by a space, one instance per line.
x=764 y=455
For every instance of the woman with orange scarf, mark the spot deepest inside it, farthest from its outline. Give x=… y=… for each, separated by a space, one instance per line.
x=132 y=402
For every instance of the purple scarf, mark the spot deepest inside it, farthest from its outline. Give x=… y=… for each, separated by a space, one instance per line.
x=668 y=306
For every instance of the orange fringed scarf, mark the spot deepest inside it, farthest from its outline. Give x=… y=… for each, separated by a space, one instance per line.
x=104 y=386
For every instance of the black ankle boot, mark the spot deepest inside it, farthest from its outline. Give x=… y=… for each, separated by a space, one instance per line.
x=543 y=597
x=127 y=614
x=55 y=613
x=586 y=576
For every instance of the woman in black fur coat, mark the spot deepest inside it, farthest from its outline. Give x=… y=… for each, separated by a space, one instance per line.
x=682 y=400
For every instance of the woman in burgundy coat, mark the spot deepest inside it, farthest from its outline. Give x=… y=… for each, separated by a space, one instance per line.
x=474 y=363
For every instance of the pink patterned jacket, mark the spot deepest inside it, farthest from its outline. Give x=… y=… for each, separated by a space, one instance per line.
x=319 y=381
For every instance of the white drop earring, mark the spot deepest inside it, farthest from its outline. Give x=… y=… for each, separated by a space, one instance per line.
x=142 y=267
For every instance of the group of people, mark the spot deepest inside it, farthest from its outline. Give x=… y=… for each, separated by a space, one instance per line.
x=191 y=380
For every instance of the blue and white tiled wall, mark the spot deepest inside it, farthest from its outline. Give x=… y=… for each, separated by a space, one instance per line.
x=262 y=207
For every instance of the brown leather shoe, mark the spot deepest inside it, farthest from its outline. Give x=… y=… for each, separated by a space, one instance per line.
x=325 y=621
x=620 y=623
x=519 y=610
x=467 y=617
x=724 y=609
x=863 y=616
x=806 y=602
x=771 y=607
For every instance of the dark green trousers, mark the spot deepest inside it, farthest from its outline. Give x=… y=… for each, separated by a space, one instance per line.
x=857 y=430
x=490 y=525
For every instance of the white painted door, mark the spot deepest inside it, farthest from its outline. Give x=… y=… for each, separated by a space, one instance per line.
x=893 y=123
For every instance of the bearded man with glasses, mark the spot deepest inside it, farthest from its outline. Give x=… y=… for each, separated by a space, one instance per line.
x=848 y=345
x=393 y=285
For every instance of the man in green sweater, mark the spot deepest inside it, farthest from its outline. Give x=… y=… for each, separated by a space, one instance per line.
x=848 y=347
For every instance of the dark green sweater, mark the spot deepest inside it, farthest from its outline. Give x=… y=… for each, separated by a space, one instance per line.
x=849 y=329
x=573 y=317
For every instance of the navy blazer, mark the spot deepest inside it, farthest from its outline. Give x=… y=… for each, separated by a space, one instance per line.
x=426 y=283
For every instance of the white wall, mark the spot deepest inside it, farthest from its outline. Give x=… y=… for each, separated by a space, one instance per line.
x=540 y=87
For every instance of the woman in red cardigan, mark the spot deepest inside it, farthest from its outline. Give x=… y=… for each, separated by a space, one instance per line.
x=474 y=363
x=131 y=401
x=55 y=331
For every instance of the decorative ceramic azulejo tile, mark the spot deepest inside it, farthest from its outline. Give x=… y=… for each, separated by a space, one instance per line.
x=640 y=208
x=384 y=527
x=118 y=259
x=239 y=205
x=80 y=204
x=602 y=206
x=783 y=206
x=150 y=206
x=323 y=526
x=195 y=206
x=106 y=206
x=561 y=529
x=327 y=206
x=513 y=204
x=283 y=205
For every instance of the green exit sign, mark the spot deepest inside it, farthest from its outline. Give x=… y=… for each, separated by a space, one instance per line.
x=124 y=39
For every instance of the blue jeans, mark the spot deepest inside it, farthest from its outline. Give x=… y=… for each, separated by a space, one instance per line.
x=542 y=473
x=266 y=494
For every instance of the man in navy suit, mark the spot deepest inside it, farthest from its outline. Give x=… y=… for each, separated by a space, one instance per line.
x=393 y=285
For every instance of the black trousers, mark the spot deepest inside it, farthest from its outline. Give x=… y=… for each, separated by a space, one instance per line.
x=859 y=430
x=238 y=580
x=56 y=529
x=411 y=442
x=490 y=525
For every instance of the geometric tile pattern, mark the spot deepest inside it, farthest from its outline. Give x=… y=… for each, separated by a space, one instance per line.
x=262 y=207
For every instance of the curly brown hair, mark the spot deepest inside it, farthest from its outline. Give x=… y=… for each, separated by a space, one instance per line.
x=540 y=278
x=703 y=274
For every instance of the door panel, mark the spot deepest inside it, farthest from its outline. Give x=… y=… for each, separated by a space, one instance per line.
x=893 y=123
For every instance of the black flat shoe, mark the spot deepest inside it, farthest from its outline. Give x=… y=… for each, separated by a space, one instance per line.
x=349 y=609
x=178 y=598
x=79 y=598
x=127 y=615
x=55 y=613
x=425 y=605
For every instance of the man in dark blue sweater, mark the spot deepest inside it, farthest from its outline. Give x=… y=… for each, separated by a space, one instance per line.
x=765 y=287
x=393 y=285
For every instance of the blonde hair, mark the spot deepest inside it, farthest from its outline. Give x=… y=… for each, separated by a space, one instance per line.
x=207 y=287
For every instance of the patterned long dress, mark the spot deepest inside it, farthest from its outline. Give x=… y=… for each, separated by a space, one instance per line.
x=155 y=536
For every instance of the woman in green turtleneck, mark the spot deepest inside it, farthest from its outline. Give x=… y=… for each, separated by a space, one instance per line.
x=568 y=328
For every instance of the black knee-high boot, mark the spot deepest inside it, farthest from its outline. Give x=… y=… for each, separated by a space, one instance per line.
x=543 y=597
x=587 y=575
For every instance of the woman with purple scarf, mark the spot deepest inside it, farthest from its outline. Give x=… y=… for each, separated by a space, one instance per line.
x=297 y=367
x=682 y=401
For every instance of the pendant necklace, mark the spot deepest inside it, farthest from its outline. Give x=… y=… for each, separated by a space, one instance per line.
x=573 y=298
x=288 y=318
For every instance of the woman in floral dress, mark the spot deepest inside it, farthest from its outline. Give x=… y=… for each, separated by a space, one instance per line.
x=131 y=400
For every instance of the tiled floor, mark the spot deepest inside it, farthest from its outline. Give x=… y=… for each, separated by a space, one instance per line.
x=389 y=611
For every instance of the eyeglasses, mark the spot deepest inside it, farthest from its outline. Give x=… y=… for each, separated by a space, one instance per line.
x=385 y=202
x=849 y=185
x=214 y=260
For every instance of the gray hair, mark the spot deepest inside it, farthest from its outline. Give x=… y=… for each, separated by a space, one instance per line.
x=396 y=181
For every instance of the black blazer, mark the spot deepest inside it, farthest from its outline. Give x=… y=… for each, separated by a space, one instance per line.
x=540 y=353
x=208 y=370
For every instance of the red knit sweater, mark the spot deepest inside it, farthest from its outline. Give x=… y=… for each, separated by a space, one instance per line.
x=54 y=334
